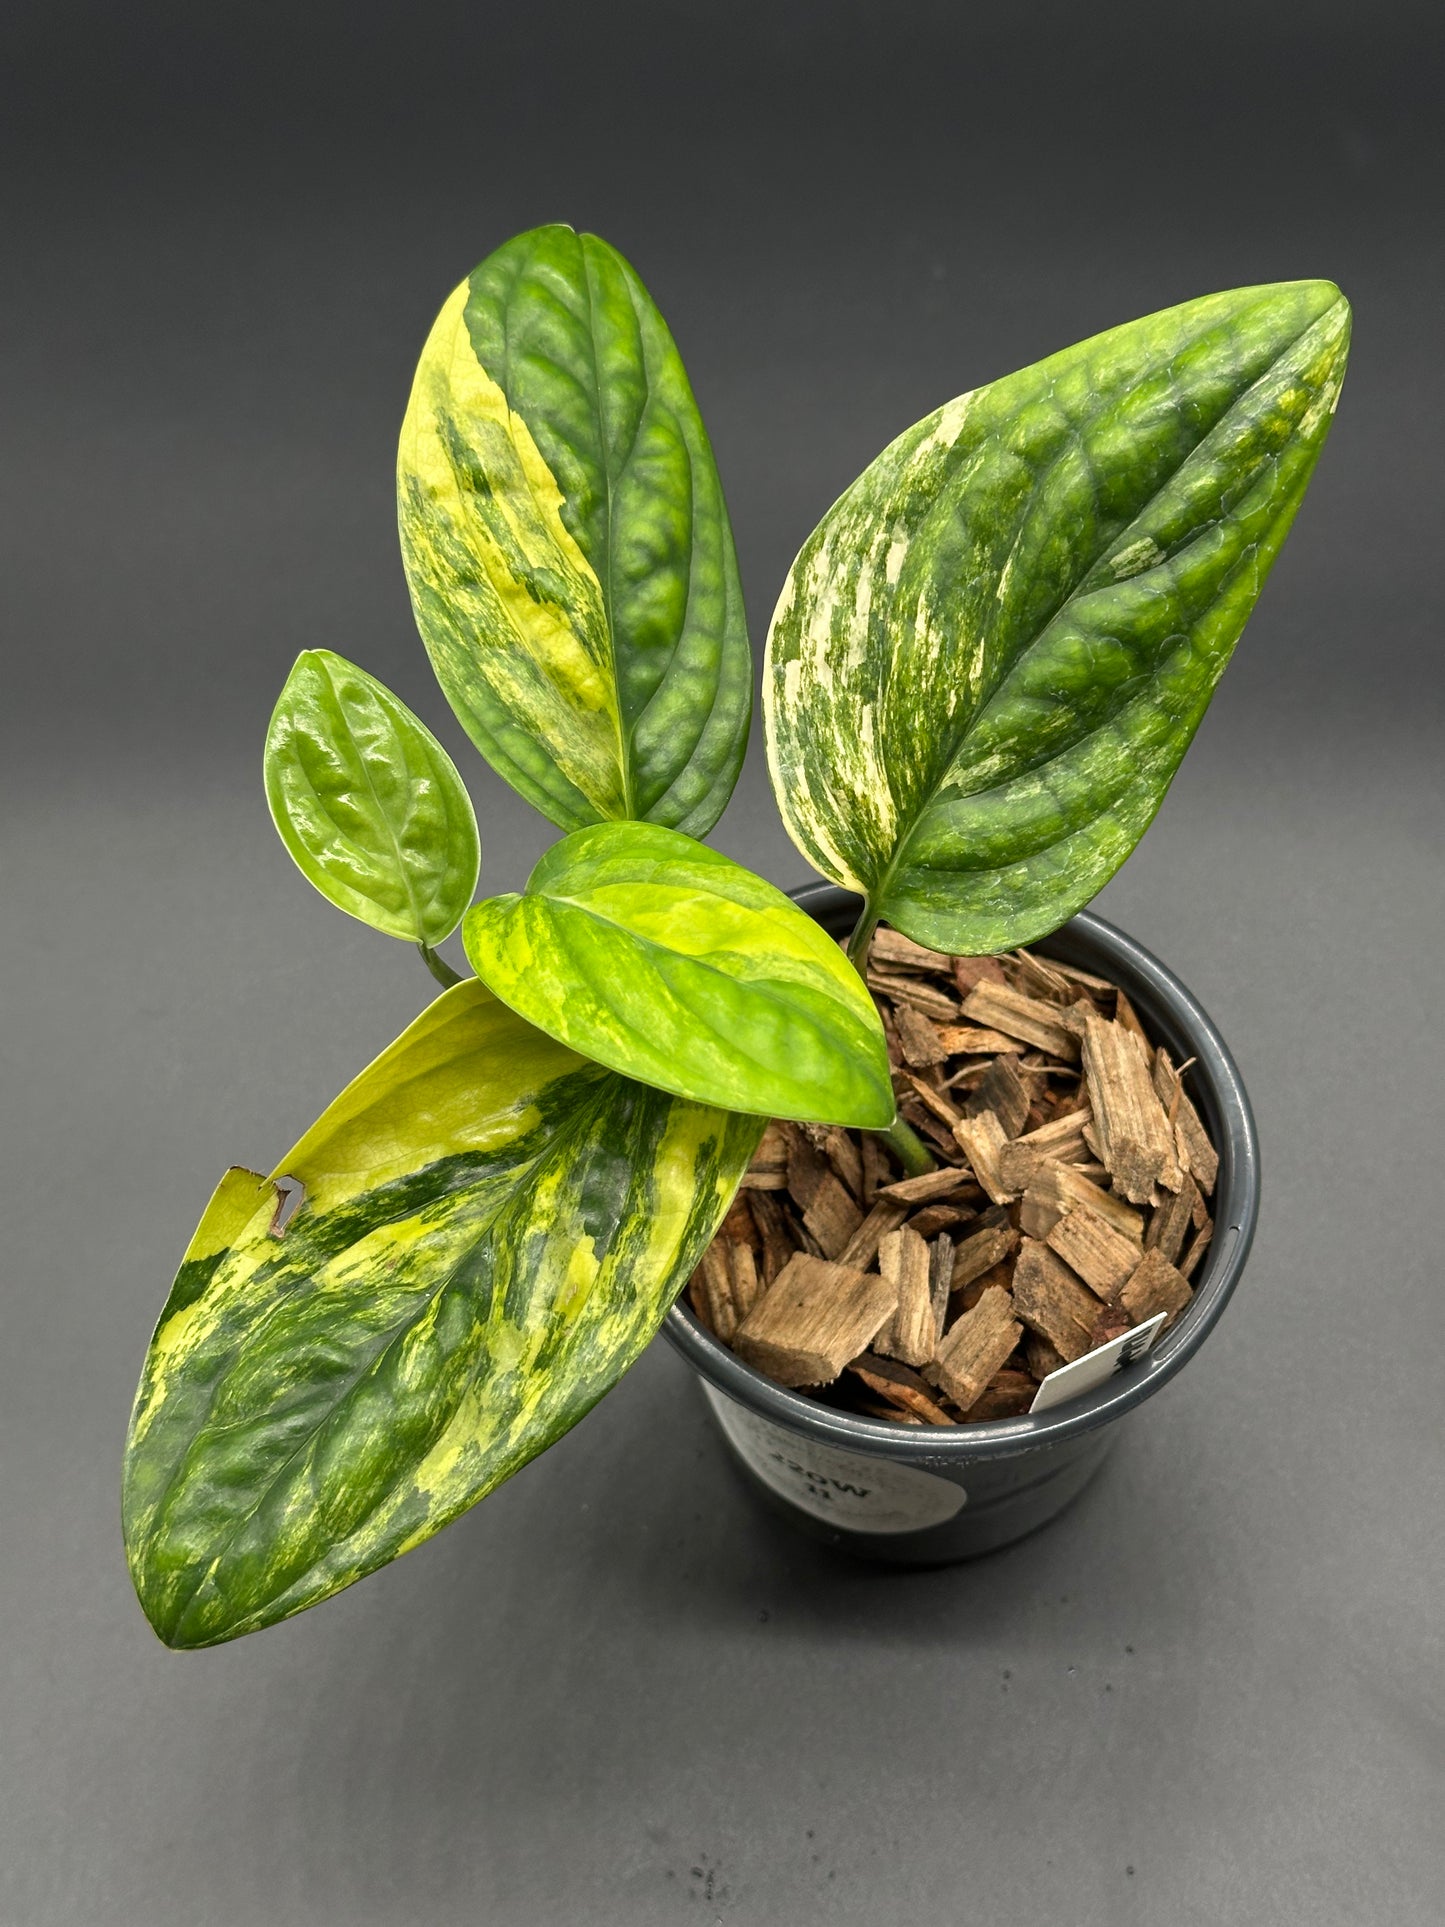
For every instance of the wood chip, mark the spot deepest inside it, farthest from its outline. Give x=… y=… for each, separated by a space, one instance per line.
x=943 y=1183
x=912 y=993
x=1132 y=1133
x=1111 y=1323
x=813 y=1319
x=892 y=947
x=1041 y=1357
x=844 y=1154
x=806 y=1167
x=1125 y=1014
x=1002 y=1091
x=1099 y=986
x=713 y=1297
x=777 y=1242
x=1060 y=1141
x=900 y=1386
x=909 y=1334
x=1060 y=1187
x=1037 y=1215
x=940 y=1283
x=1008 y=1394
x=768 y=1170
x=945 y=1112
x=981 y=1139
x=1041 y=979
x=877 y=1168
x=1104 y=1258
x=1000 y=1276
x=1169 y=1224
x=1074 y=1016
x=740 y=1225
x=1036 y=1022
x=934 y=1218
x=1154 y=1287
x=983 y=1249
x=919 y=1039
x=980 y=1344
x=962 y=1039
x=969 y=971
x=922 y=1119
x=862 y=1248
x=1197 y=1154
x=1050 y=1300
x=1189 y=1263
x=747 y=1286
x=832 y=1216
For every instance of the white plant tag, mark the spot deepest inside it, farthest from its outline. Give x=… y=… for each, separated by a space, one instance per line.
x=861 y=1493
x=1072 y=1381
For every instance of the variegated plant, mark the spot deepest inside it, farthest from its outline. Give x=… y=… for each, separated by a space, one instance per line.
x=984 y=669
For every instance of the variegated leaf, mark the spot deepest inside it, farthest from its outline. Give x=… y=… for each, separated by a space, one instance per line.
x=492 y=1229
x=566 y=542
x=990 y=656
x=668 y=961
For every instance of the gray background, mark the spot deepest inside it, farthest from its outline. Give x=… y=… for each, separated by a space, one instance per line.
x=616 y=1693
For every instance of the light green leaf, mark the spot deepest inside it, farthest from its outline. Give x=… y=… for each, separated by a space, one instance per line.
x=368 y=802
x=665 y=960
x=492 y=1229
x=566 y=542
x=991 y=655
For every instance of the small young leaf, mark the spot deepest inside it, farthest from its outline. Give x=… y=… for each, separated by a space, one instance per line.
x=491 y=1231
x=567 y=545
x=667 y=961
x=992 y=653
x=368 y=802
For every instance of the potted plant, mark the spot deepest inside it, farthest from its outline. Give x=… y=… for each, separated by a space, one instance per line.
x=983 y=671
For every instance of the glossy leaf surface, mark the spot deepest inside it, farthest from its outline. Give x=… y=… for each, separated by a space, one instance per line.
x=567 y=545
x=990 y=656
x=368 y=802
x=492 y=1230
x=666 y=960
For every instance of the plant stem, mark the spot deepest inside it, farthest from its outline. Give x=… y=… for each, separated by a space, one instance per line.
x=900 y=1137
x=861 y=938
x=438 y=966
x=908 y=1147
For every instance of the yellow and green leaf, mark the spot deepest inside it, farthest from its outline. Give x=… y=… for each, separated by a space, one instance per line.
x=668 y=961
x=989 y=658
x=491 y=1229
x=567 y=545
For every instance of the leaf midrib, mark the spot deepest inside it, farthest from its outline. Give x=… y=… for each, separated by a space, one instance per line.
x=624 y=732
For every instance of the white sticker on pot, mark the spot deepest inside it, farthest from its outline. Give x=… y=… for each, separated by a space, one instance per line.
x=863 y=1494
x=1072 y=1381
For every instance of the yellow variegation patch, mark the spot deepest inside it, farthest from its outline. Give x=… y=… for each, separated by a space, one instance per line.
x=504 y=597
x=567 y=544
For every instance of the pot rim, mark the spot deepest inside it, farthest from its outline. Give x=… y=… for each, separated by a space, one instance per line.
x=1177 y=1018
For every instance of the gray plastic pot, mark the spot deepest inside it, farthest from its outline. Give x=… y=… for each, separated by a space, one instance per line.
x=930 y=1495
